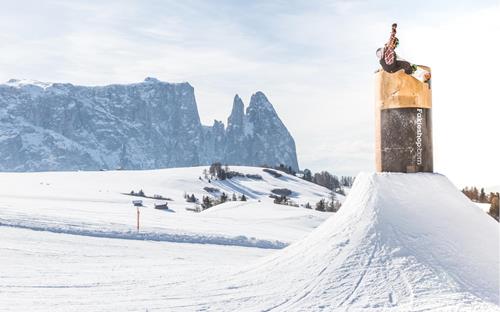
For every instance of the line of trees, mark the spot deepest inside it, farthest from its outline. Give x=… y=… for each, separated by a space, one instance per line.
x=331 y=205
x=281 y=167
x=207 y=201
x=328 y=180
x=217 y=171
x=494 y=211
x=323 y=178
x=475 y=195
x=480 y=196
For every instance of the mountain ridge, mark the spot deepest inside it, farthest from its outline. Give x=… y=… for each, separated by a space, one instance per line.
x=145 y=125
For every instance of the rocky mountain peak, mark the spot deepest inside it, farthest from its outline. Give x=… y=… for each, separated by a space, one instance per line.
x=151 y=80
x=235 y=120
x=259 y=101
x=145 y=125
x=218 y=125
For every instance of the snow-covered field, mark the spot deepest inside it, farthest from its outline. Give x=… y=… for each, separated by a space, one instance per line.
x=92 y=204
x=401 y=242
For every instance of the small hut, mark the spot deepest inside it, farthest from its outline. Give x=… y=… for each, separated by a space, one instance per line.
x=161 y=206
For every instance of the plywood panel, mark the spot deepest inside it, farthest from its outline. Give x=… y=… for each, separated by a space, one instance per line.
x=399 y=90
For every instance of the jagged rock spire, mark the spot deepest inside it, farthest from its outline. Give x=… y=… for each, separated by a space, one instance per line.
x=235 y=120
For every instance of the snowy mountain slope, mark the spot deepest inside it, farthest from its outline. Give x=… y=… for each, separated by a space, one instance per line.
x=92 y=204
x=146 y=125
x=402 y=242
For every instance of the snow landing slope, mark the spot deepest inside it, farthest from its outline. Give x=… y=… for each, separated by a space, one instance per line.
x=401 y=242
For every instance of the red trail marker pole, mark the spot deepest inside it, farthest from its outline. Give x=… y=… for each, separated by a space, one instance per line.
x=138 y=215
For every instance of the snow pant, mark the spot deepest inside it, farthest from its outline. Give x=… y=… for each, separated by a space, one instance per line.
x=397 y=65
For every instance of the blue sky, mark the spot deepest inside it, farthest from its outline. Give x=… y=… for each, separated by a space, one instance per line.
x=313 y=59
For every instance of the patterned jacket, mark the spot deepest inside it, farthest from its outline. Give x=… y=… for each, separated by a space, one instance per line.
x=389 y=54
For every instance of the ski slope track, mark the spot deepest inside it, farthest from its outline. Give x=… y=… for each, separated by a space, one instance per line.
x=401 y=242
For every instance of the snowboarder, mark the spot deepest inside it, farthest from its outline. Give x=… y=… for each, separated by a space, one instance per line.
x=390 y=62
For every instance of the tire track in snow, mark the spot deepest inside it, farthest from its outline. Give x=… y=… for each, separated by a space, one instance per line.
x=365 y=270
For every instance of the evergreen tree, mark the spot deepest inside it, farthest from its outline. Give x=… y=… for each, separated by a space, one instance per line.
x=330 y=207
x=321 y=205
x=243 y=197
x=223 y=197
x=494 y=211
x=465 y=191
x=222 y=174
x=482 y=196
x=307 y=175
x=214 y=168
x=324 y=178
x=191 y=199
x=346 y=181
x=234 y=197
x=475 y=194
x=217 y=171
x=281 y=200
x=207 y=202
x=337 y=206
x=341 y=191
x=335 y=183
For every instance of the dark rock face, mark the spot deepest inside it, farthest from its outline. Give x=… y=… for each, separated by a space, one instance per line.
x=267 y=141
x=145 y=125
x=235 y=134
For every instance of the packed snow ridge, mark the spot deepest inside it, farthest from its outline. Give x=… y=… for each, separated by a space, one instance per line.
x=400 y=242
x=146 y=125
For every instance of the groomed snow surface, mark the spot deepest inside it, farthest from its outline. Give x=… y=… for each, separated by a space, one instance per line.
x=401 y=242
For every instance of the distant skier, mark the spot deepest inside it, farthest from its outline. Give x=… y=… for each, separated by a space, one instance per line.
x=390 y=62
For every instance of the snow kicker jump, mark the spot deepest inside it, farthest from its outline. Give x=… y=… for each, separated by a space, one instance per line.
x=401 y=242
